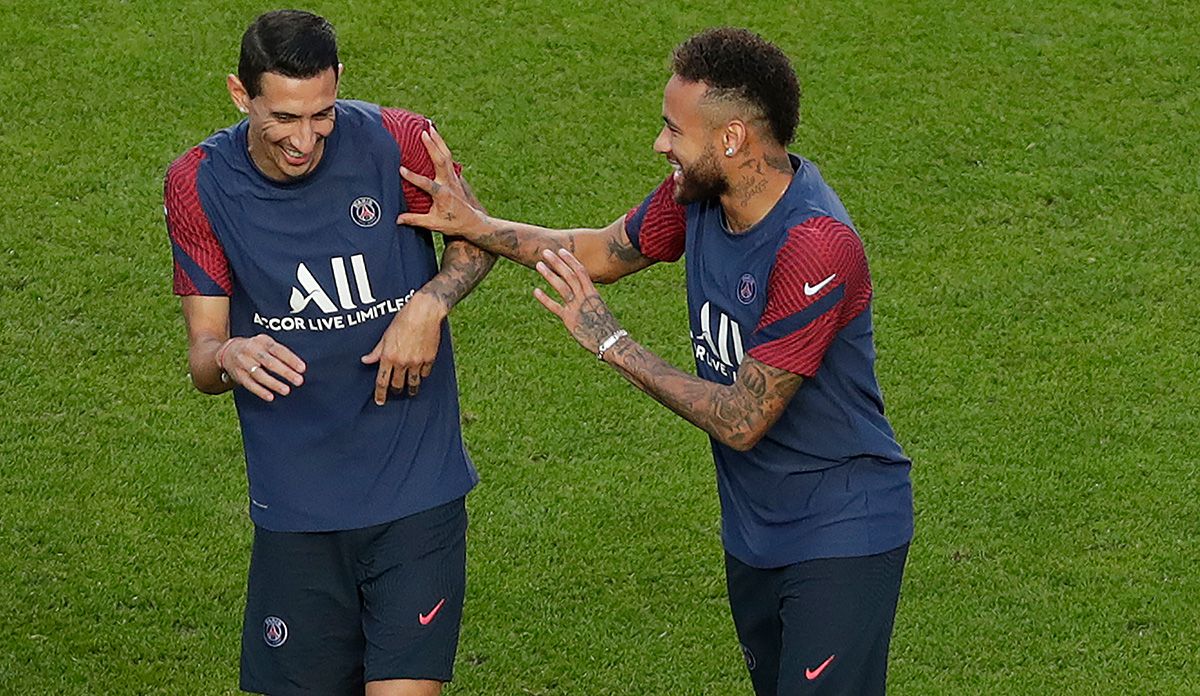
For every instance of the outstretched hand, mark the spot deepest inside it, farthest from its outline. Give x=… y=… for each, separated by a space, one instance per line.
x=582 y=311
x=450 y=213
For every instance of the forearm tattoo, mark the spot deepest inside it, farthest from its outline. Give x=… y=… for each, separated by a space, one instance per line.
x=525 y=247
x=737 y=415
x=464 y=265
x=625 y=253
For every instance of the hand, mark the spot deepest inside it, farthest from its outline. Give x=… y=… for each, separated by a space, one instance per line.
x=451 y=211
x=408 y=348
x=582 y=311
x=259 y=363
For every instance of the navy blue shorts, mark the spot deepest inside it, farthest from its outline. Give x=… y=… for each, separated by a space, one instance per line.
x=818 y=627
x=327 y=612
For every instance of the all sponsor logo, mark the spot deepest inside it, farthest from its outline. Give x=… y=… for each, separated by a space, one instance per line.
x=310 y=290
x=719 y=342
x=351 y=303
x=365 y=211
x=275 y=631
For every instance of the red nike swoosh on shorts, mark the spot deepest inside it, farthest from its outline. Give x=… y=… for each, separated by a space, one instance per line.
x=811 y=674
x=426 y=618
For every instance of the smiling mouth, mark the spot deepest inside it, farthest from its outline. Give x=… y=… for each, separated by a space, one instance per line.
x=295 y=157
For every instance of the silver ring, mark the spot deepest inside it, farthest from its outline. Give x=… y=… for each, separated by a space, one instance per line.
x=251 y=370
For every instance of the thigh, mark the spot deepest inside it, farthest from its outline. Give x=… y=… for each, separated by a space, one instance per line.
x=413 y=588
x=302 y=628
x=837 y=624
x=754 y=602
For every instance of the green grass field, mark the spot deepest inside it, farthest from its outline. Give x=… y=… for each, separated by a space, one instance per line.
x=1024 y=175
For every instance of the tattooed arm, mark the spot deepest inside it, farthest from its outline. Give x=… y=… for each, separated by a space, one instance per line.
x=464 y=265
x=607 y=252
x=408 y=348
x=737 y=415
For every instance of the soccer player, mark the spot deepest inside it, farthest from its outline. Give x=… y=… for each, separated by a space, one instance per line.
x=326 y=319
x=816 y=501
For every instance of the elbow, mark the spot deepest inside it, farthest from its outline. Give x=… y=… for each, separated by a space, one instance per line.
x=742 y=441
x=604 y=276
x=205 y=388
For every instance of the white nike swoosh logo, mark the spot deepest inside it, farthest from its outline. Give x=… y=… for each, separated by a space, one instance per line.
x=811 y=290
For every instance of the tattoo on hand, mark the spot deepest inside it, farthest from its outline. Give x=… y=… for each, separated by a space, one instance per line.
x=595 y=319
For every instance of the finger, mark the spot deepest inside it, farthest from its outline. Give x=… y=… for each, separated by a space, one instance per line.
x=560 y=286
x=419 y=180
x=581 y=271
x=373 y=357
x=279 y=368
x=442 y=147
x=425 y=220
x=439 y=155
x=426 y=369
x=414 y=382
x=279 y=351
x=399 y=378
x=564 y=271
x=256 y=389
x=255 y=374
x=555 y=308
x=245 y=379
x=383 y=378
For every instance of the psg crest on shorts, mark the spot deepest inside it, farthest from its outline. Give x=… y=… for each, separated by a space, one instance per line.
x=747 y=289
x=274 y=631
x=364 y=211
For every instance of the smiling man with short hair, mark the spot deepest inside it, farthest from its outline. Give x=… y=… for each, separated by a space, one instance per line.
x=816 y=501
x=327 y=321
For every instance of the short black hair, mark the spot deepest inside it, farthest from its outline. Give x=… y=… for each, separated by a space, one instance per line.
x=292 y=43
x=739 y=64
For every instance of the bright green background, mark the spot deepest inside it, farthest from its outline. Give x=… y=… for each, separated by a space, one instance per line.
x=1024 y=175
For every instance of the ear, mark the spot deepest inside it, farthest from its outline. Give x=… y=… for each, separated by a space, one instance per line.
x=341 y=69
x=734 y=136
x=237 y=92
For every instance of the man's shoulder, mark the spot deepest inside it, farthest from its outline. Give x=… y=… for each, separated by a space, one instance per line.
x=187 y=165
x=368 y=113
x=810 y=197
x=403 y=126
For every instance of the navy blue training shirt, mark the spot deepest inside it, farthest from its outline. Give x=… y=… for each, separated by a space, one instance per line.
x=320 y=265
x=793 y=292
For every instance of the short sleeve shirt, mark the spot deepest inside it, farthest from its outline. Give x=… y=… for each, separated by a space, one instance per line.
x=793 y=292
x=320 y=265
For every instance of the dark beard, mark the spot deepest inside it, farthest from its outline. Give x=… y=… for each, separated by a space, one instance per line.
x=701 y=181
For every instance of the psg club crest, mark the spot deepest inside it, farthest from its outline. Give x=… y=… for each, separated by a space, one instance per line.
x=274 y=631
x=747 y=289
x=364 y=211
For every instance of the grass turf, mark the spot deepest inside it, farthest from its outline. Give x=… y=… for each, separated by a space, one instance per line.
x=1024 y=175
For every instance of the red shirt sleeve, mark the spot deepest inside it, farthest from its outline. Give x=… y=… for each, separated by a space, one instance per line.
x=406 y=128
x=820 y=283
x=201 y=267
x=657 y=228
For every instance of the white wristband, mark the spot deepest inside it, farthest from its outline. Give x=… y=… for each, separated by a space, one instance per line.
x=610 y=342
